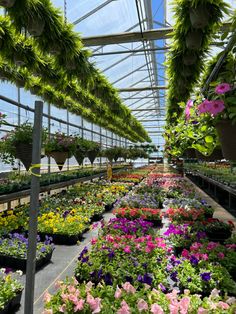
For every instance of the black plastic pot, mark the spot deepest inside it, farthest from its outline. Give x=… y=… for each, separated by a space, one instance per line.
x=7 y=3
x=108 y=207
x=62 y=238
x=226 y=132
x=24 y=153
x=97 y=217
x=35 y=26
x=199 y=17
x=194 y=40
x=156 y=223
x=218 y=236
x=12 y=305
x=18 y=263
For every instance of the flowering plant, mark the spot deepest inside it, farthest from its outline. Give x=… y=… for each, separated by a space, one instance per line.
x=10 y=286
x=138 y=201
x=214 y=225
x=60 y=142
x=185 y=214
x=122 y=226
x=114 y=259
x=126 y=299
x=16 y=246
x=135 y=213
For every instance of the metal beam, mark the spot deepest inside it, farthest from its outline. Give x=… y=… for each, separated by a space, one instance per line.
x=141 y=88
x=131 y=98
x=128 y=37
x=92 y=12
x=158 y=120
x=129 y=51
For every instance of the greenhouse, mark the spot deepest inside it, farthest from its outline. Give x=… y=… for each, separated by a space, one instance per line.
x=118 y=156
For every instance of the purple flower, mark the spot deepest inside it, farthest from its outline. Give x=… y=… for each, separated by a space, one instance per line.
x=162 y=287
x=222 y=88
x=108 y=279
x=111 y=255
x=85 y=259
x=173 y=276
x=193 y=260
x=205 y=276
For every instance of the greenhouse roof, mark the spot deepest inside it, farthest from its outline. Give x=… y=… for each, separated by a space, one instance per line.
x=117 y=34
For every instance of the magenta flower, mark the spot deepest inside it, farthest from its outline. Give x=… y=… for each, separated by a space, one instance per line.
x=187 y=109
x=217 y=107
x=222 y=88
x=205 y=106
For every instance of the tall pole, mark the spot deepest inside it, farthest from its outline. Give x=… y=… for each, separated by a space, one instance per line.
x=33 y=214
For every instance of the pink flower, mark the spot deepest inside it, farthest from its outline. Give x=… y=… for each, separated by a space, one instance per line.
x=201 y=310
x=142 y=305
x=89 y=286
x=222 y=305
x=187 y=109
x=58 y=284
x=217 y=107
x=221 y=255
x=184 y=304
x=79 y=306
x=174 y=308
x=93 y=241
x=62 y=308
x=71 y=289
x=124 y=308
x=212 y=245
x=156 y=309
x=94 y=303
x=129 y=288
x=204 y=257
x=205 y=106
x=127 y=249
x=118 y=293
x=64 y=296
x=185 y=253
x=222 y=88
x=47 y=297
x=73 y=298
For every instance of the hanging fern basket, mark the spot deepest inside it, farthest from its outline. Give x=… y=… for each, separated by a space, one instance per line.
x=194 y=40
x=36 y=26
x=226 y=132
x=199 y=17
x=189 y=58
x=7 y=3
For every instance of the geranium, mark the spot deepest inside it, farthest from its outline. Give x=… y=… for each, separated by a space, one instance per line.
x=222 y=88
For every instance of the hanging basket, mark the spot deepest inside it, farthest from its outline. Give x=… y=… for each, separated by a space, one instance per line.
x=20 y=83
x=79 y=157
x=24 y=154
x=194 y=40
x=190 y=153
x=226 y=132
x=55 y=49
x=35 y=26
x=91 y=156
x=35 y=90
x=7 y=3
x=18 y=60
x=189 y=58
x=187 y=72
x=60 y=158
x=199 y=17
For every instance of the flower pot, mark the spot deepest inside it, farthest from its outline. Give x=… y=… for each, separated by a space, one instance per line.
x=187 y=72
x=62 y=238
x=35 y=90
x=226 y=130
x=199 y=17
x=79 y=158
x=35 y=26
x=91 y=156
x=155 y=222
x=60 y=158
x=12 y=305
x=55 y=49
x=24 y=154
x=18 y=60
x=190 y=153
x=20 y=83
x=189 y=58
x=218 y=235
x=194 y=40
x=7 y=3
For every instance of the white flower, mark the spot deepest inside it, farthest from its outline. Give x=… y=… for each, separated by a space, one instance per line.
x=2 y=270
x=214 y=293
x=19 y=272
x=231 y=300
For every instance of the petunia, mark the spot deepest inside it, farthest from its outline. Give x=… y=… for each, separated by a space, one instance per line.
x=142 y=305
x=206 y=276
x=156 y=309
x=222 y=305
x=128 y=287
x=124 y=308
x=62 y=308
x=217 y=107
x=48 y=311
x=205 y=106
x=184 y=305
x=47 y=297
x=201 y=310
x=118 y=292
x=187 y=108
x=79 y=306
x=222 y=88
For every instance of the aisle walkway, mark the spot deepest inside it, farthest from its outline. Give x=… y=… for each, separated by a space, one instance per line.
x=62 y=265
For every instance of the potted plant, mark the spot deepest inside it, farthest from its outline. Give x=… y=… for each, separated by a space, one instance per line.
x=217 y=230
x=18 y=143
x=7 y=3
x=60 y=147
x=93 y=151
x=35 y=25
x=194 y=40
x=199 y=16
x=80 y=150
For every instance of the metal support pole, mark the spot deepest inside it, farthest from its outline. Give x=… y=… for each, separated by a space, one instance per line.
x=33 y=214
x=68 y=133
x=49 y=135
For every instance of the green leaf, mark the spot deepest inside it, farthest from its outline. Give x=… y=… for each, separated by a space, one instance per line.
x=209 y=139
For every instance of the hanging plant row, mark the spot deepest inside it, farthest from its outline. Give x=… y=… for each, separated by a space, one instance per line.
x=56 y=38
x=195 y=24
x=22 y=52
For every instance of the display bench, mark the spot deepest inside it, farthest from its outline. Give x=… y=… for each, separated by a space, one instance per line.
x=9 y=198
x=223 y=194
